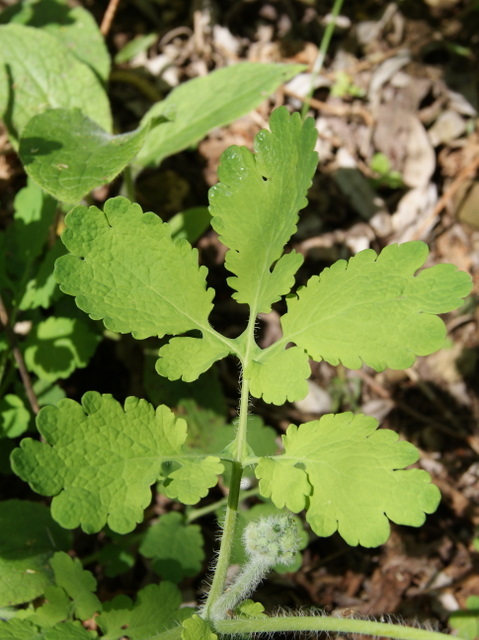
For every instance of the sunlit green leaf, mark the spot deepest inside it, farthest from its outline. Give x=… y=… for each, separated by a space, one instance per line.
x=350 y=477
x=197 y=106
x=99 y=460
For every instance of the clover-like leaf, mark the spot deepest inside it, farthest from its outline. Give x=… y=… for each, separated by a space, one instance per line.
x=34 y=214
x=125 y=269
x=14 y=416
x=77 y=583
x=157 y=607
x=99 y=460
x=351 y=477
x=68 y=154
x=195 y=628
x=175 y=547
x=199 y=105
x=57 y=346
x=42 y=74
x=255 y=207
x=28 y=539
x=55 y=609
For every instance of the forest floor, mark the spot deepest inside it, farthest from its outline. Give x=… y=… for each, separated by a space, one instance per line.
x=396 y=111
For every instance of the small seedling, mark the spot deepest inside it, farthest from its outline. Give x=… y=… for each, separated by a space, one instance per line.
x=99 y=459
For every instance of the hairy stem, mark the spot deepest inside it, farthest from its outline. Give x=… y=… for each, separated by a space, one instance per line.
x=240 y=452
x=326 y=623
x=248 y=579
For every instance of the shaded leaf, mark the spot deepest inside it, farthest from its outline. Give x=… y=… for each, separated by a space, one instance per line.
x=77 y=583
x=43 y=74
x=57 y=346
x=73 y=26
x=157 y=607
x=14 y=416
x=175 y=547
x=28 y=539
x=68 y=154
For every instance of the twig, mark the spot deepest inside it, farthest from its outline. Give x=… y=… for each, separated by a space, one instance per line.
x=465 y=173
x=318 y=64
x=108 y=17
x=17 y=354
x=340 y=110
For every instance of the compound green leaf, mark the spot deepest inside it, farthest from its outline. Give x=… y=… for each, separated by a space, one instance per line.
x=197 y=106
x=195 y=628
x=255 y=207
x=57 y=346
x=125 y=269
x=77 y=583
x=175 y=547
x=278 y=375
x=57 y=607
x=73 y=26
x=157 y=608
x=28 y=539
x=68 y=154
x=374 y=309
x=37 y=72
x=99 y=460
x=14 y=416
x=353 y=478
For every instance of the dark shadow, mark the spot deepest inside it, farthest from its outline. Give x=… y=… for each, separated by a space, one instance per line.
x=39 y=14
x=31 y=148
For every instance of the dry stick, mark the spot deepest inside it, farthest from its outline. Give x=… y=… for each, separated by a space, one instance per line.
x=465 y=173
x=339 y=110
x=17 y=354
x=108 y=17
